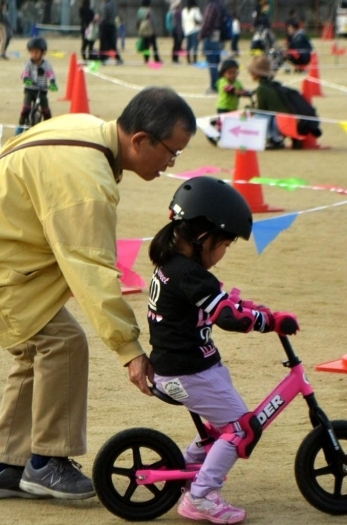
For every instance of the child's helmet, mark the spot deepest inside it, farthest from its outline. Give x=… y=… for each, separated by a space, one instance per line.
x=215 y=200
x=37 y=43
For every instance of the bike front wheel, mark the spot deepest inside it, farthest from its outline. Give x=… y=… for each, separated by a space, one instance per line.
x=35 y=117
x=322 y=481
x=114 y=474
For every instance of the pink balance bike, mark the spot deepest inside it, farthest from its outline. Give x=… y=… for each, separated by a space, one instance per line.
x=139 y=473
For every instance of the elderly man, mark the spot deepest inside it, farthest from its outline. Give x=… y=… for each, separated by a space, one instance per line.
x=58 y=201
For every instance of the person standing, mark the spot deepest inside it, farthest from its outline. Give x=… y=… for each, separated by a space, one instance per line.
x=210 y=36
x=91 y=36
x=191 y=23
x=6 y=31
x=261 y=14
x=86 y=18
x=174 y=27
x=236 y=35
x=58 y=237
x=146 y=24
x=108 y=32
x=230 y=88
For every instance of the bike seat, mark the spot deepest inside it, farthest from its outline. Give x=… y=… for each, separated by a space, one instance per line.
x=164 y=397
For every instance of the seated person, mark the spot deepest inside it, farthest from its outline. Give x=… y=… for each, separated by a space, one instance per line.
x=299 y=47
x=272 y=96
x=268 y=99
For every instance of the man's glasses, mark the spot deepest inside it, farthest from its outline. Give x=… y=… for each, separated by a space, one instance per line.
x=174 y=154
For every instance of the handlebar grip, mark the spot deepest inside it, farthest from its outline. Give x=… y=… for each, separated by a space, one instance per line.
x=288 y=326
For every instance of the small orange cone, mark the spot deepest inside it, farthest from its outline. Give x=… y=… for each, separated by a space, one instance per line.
x=307 y=90
x=246 y=168
x=310 y=142
x=71 y=77
x=314 y=76
x=339 y=366
x=79 y=100
x=328 y=31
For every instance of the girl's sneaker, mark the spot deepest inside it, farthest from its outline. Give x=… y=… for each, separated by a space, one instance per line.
x=212 y=508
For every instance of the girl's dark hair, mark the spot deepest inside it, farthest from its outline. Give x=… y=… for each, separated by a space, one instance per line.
x=169 y=239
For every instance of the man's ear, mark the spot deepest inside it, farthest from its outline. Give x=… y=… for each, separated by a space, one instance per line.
x=138 y=138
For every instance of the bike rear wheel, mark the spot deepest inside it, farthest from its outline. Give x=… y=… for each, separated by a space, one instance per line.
x=322 y=482
x=114 y=474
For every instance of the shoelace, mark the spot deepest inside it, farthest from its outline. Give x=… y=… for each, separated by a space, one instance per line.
x=69 y=464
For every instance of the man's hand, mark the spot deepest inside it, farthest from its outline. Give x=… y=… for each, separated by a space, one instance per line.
x=139 y=369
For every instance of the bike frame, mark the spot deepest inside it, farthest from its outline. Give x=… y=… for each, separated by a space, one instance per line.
x=268 y=410
x=35 y=107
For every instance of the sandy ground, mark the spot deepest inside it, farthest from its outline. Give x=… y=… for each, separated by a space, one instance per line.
x=303 y=270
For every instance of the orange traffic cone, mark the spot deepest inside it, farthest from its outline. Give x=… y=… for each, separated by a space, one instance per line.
x=79 y=100
x=314 y=76
x=336 y=50
x=246 y=168
x=339 y=366
x=307 y=90
x=310 y=142
x=328 y=31
x=71 y=77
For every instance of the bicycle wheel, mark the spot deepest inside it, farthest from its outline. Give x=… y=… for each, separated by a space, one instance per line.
x=114 y=474
x=36 y=116
x=323 y=484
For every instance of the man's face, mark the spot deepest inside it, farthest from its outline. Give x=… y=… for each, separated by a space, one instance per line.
x=152 y=159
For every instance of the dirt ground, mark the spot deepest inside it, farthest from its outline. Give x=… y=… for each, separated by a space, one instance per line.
x=303 y=270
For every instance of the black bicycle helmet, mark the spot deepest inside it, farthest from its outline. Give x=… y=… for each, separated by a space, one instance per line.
x=215 y=200
x=37 y=43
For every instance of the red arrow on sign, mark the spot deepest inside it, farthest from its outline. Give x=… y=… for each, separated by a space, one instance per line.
x=236 y=131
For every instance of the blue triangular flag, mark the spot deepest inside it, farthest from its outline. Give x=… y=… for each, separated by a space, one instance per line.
x=266 y=231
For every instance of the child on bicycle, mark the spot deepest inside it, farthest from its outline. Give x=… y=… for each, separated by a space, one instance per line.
x=37 y=74
x=186 y=300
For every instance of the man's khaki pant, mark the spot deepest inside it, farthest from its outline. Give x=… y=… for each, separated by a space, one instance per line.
x=44 y=406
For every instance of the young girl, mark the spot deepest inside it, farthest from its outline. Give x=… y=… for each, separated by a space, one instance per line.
x=230 y=89
x=37 y=73
x=207 y=216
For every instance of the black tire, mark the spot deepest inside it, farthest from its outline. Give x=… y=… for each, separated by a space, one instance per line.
x=35 y=117
x=323 y=484
x=114 y=474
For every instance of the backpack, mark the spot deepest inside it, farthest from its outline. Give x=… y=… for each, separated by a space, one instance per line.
x=169 y=22
x=298 y=105
x=145 y=28
x=226 y=30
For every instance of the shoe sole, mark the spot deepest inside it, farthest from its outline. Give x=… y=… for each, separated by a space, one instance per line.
x=7 y=493
x=199 y=516
x=39 y=490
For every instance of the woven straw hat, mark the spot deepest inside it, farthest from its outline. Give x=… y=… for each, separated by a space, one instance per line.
x=261 y=66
